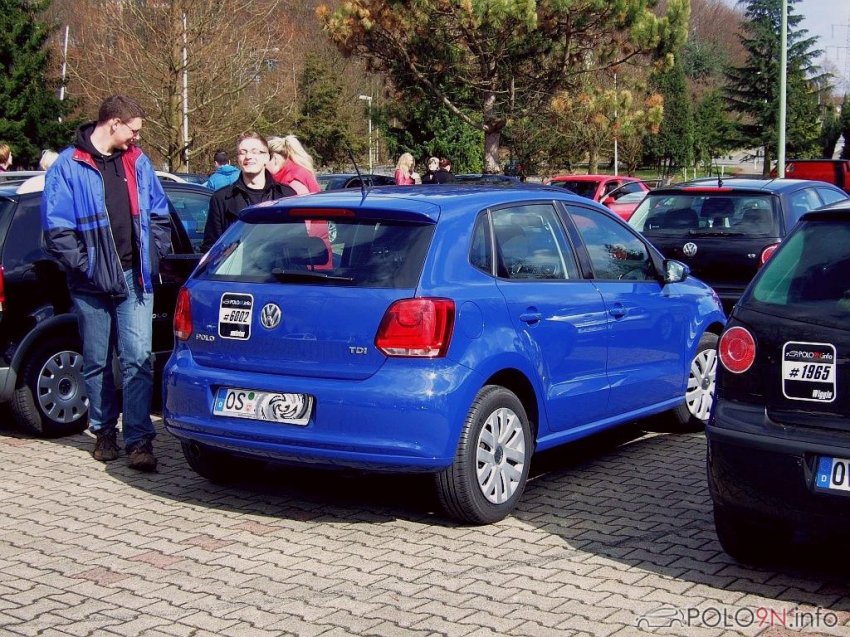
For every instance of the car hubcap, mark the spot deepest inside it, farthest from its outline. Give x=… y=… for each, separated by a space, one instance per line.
x=61 y=387
x=700 y=393
x=500 y=455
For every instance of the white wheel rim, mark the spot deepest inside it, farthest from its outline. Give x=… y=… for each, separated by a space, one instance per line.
x=61 y=387
x=500 y=456
x=700 y=394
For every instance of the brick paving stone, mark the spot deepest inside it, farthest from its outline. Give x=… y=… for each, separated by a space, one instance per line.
x=591 y=546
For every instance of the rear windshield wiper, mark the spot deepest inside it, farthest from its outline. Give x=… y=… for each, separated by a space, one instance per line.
x=307 y=275
x=709 y=232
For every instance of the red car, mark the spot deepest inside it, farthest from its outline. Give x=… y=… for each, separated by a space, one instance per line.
x=607 y=190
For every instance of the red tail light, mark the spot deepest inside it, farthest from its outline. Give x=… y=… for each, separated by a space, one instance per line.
x=183 y=316
x=765 y=254
x=417 y=328
x=737 y=349
x=2 y=289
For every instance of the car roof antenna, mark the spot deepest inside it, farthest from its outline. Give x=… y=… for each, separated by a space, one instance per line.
x=720 y=181
x=357 y=169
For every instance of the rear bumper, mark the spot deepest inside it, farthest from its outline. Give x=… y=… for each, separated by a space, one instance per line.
x=770 y=473
x=406 y=417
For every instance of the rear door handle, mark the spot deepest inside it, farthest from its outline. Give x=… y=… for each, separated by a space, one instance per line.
x=530 y=317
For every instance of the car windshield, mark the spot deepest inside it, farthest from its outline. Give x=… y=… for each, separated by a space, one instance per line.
x=808 y=279
x=581 y=187
x=706 y=213
x=358 y=253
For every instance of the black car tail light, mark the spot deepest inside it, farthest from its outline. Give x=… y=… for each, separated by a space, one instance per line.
x=737 y=350
x=183 y=316
x=765 y=254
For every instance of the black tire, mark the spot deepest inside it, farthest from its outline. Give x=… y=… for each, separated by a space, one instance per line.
x=50 y=398
x=458 y=488
x=216 y=466
x=693 y=413
x=748 y=540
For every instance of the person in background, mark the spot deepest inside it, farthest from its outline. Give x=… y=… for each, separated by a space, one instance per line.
x=36 y=183
x=290 y=164
x=224 y=173
x=254 y=185
x=433 y=166
x=105 y=219
x=444 y=175
x=47 y=158
x=404 y=175
x=5 y=157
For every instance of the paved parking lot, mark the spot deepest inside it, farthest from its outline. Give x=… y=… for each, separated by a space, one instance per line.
x=609 y=532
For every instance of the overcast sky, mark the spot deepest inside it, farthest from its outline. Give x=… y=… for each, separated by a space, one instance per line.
x=830 y=21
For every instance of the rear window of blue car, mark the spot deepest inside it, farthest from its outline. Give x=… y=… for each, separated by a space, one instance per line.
x=332 y=252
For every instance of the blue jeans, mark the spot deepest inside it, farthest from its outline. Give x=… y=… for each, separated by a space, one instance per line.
x=107 y=323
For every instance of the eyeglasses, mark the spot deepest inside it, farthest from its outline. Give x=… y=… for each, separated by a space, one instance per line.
x=136 y=131
x=253 y=151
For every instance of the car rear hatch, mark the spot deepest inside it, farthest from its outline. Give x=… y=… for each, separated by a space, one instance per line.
x=719 y=233
x=799 y=313
x=303 y=290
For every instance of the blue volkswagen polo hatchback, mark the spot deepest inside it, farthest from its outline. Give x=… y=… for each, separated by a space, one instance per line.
x=454 y=330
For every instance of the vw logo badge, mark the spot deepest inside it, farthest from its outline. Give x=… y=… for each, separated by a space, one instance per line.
x=689 y=249
x=270 y=316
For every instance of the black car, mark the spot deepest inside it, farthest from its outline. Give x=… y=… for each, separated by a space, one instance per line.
x=40 y=363
x=480 y=178
x=335 y=181
x=779 y=434
x=725 y=230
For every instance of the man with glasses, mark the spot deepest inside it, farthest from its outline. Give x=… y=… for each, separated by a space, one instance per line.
x=105 y=219
x=255 y=184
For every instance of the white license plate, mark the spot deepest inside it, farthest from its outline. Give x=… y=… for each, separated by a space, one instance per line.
x=292 y=409
x=833 y=474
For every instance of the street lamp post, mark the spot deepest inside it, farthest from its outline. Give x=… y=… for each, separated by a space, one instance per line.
x=368 y=99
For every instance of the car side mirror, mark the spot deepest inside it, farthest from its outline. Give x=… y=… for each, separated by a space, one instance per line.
x=608 y=200
x=675 y=271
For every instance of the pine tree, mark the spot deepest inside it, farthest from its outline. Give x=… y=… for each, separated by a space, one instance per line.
x=673 y=147
x=31 y=116
x=321 y=125
x=712 y=129
x=753 y=89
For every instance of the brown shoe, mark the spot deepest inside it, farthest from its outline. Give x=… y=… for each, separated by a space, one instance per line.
x=105 y=448
x=140 y=456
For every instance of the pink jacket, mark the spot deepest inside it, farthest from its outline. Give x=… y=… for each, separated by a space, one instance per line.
x=402 y=180
x=297 y=177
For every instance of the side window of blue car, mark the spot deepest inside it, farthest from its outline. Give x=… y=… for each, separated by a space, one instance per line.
x=615 y=252
x=481 y=252
x=531 y=244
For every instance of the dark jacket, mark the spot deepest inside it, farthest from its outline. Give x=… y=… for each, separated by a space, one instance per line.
x=228 y=202
x=76 y=224
x=443 y=177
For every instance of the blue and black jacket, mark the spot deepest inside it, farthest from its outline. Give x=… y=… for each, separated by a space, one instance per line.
x=76 y=224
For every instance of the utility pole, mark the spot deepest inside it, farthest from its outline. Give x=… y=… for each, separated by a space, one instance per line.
x=64 y=66
x=783 y=91
x=185 y=94
x=616 y=130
